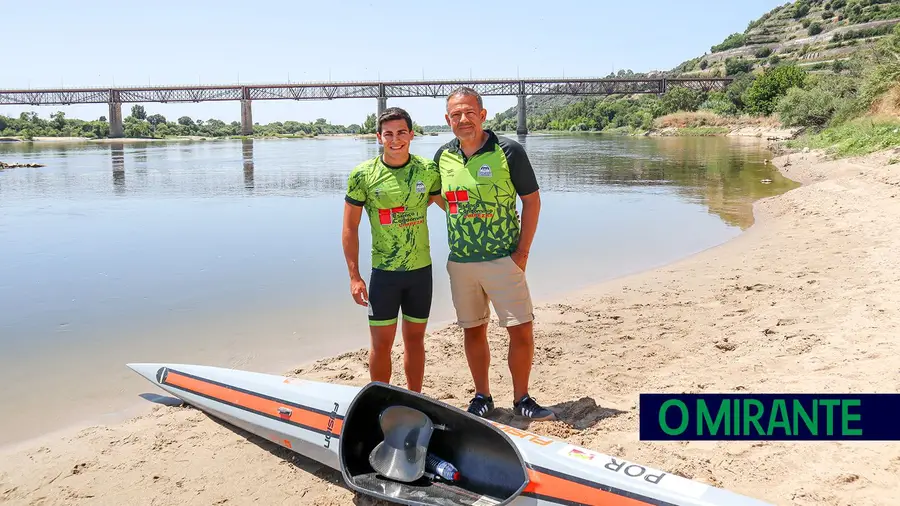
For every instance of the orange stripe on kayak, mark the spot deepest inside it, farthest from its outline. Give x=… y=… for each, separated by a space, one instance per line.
x=255 y=403
x=559 y=488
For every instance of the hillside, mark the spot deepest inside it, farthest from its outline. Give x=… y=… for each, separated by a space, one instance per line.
x=817 y=36
x=809 y=33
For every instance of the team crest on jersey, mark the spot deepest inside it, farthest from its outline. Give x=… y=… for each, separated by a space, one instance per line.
x=484 y=171
x=420 y=187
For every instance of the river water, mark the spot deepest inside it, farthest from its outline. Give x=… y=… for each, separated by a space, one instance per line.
x=228 y=252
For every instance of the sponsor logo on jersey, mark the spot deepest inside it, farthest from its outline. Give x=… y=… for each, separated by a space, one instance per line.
x=484 y=171
x=454 y=198
x=420 y=187
x=386 y=216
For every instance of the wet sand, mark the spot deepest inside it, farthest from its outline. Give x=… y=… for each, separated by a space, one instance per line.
x=806 y=301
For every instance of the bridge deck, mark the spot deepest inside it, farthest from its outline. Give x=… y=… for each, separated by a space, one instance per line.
x=363 y=89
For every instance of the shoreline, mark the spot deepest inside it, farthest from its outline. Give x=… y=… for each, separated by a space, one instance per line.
x=732 y=129
x=191 y=138
x=805 y=299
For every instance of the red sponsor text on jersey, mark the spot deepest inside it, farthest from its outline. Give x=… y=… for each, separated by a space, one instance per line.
x=386 y=216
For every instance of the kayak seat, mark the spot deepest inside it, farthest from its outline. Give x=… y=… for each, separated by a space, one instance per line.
x=401 y=456
x=387 y=433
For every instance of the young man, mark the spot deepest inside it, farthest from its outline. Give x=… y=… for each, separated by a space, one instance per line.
x=395 y=189
x=481 y=174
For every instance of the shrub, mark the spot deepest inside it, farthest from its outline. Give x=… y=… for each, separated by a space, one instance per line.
x=732 y=41
x=801 y=107
x=719 y=103
x=735 y=66
x=830 y=99
x=880 y=70
x=736 y=90
x=814 y=28
x=762 y=96
x=763 y=52
x=682 y=99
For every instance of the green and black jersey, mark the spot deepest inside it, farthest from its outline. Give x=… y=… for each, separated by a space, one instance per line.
x=396 y=201
x=482 y=222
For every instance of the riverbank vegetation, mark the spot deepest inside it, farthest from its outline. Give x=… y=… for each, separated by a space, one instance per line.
x=140 y=124
x=823 y=69
x=853 y=106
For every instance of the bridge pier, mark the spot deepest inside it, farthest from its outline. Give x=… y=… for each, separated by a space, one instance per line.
x=246 y=117
x=116 y=127
x=522 y=121
x=382 y=105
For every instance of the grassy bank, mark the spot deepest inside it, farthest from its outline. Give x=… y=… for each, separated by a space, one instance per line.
x=860 y=136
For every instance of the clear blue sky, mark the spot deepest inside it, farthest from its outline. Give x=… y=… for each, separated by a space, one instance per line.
x=102 y=42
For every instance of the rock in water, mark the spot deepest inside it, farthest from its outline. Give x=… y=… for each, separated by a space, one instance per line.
x=4 y=165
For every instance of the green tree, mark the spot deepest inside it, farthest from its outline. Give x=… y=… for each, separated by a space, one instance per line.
x=719 y=103
x=732 y=41
x=156 y=120
x=137 y=111
x=369 y=125
x=137 y=129
x=58 y=120
x=682 y=99
x=762 y=96
x=736 y=66
x=801 y=107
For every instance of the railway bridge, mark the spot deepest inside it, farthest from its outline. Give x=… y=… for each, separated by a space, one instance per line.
x=379 y=90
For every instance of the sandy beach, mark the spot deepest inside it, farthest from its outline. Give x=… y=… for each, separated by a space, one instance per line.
x=806 y=300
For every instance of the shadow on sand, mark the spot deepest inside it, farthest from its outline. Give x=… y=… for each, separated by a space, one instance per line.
x=165 y=400
x=578 y=415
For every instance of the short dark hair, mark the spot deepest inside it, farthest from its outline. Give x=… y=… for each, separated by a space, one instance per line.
x=465 y=91
x=392 y=113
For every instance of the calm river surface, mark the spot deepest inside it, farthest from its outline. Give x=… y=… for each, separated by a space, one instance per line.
x=229 y=252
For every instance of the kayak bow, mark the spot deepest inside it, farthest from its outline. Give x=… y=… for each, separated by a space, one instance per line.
x=341 y=425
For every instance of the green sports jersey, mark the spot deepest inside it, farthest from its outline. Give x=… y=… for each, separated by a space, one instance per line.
x=482 y=222
x=396 y=201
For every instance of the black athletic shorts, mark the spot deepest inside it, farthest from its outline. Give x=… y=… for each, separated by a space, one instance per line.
x=393 y=291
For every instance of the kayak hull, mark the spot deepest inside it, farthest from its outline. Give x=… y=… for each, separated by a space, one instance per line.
x=303 y=416
x=337 y=425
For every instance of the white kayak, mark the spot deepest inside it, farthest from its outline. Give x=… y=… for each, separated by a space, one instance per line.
x=378 y=435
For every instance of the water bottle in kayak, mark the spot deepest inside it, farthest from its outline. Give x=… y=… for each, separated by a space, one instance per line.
x=441 y=467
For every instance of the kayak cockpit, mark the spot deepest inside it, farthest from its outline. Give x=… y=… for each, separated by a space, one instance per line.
x=387 y=433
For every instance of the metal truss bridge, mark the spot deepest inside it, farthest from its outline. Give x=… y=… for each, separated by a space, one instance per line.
x=379 y=90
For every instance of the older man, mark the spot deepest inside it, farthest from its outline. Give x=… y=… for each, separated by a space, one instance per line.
x=481 y=176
